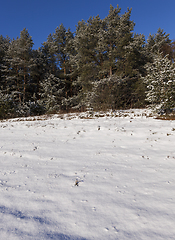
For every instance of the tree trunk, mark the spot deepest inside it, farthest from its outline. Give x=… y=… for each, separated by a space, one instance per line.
x=24 y=88
x=110 y=71
x=110 y=60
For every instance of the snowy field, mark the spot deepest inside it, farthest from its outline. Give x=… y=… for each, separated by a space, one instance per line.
x=81 y=178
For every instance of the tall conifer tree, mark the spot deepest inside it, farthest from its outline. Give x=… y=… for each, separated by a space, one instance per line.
x=18 y=62
x=63 y=45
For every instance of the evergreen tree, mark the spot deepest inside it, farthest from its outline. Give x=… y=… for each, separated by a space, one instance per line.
x=25 y=55
x=135 y=56
x=88 y=58
x=124 y=39
x=37 y=72
x=107 y=47
x=62 y=39
x=100 y=44
x=6 y=104
x=52 y=93
x=4 y=43
x=63 y=45
x=157 y=43
x=117 y=35
x=172 y=51
x=160 y=82
x=49 y=51
x=16 y=68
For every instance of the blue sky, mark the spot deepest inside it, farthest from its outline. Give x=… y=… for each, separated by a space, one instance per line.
x=41 y=17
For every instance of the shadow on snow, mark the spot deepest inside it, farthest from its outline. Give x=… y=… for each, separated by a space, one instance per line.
x=40 y=235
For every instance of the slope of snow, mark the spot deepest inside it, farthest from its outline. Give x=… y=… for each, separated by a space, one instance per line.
x=80 y=178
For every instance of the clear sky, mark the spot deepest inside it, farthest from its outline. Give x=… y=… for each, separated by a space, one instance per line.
x=41 y=17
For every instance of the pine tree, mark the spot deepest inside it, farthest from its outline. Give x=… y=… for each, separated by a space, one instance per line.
x=100 y=44
x=62 y=40
x=38 y=71
x=52 y=93
x=6 y=104
x=11 y=72
x=157 y=43
x=103 y=48
x=89 y=58
x=16 y=68
x=124 y=37
x=160 y=81
x=4 y=43
x=111 y=37
x=135 y=56
x=25 y=55
x=49 y=51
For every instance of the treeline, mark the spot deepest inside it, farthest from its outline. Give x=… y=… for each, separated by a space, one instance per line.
x=103 y=65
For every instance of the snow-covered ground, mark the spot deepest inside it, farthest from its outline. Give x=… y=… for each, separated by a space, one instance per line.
x=123 y=164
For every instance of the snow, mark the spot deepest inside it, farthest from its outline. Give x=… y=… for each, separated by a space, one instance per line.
x=83 y=177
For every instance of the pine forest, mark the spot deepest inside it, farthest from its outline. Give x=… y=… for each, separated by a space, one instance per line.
x=103 y=65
